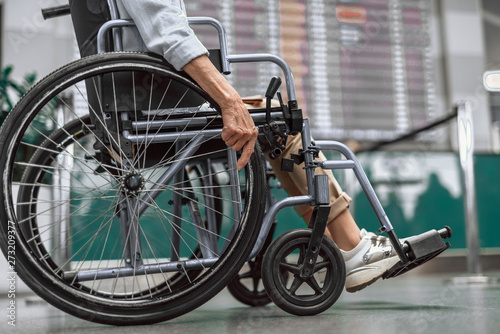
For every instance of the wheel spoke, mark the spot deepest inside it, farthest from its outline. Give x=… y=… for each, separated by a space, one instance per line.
x=297 y=282
x=247 y=274
x=256 y=281
x=293 y=268
x=302 y=253
x=311 y=281
x=321 y=265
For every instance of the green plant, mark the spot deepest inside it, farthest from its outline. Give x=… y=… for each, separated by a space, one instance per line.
x=11 y=91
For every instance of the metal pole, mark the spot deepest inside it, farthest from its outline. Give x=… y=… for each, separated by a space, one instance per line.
x=466 y=153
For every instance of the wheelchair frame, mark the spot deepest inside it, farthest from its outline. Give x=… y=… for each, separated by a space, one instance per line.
x=318 y=193
x=317 y=184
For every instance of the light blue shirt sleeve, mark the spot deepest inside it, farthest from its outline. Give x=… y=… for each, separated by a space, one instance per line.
x=163 y=26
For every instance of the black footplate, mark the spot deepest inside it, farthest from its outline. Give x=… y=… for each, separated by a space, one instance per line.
x=420 y=249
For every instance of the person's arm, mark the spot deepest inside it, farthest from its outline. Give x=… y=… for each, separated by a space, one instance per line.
x=239 y=130
x=165 y=30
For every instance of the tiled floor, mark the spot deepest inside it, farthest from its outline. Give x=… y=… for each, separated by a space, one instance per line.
x=408 y=304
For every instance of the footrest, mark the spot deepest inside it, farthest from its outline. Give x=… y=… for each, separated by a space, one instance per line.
x=420 y=249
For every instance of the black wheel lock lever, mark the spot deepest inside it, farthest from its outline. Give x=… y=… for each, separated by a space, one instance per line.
x=272 y=89
x=275 y=129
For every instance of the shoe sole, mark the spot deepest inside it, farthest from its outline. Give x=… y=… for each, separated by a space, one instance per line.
x=360 y=278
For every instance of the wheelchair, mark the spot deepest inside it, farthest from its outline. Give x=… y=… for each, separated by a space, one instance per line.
x=130 y=209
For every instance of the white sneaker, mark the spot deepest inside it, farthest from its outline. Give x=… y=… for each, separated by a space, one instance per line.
x=368 y=261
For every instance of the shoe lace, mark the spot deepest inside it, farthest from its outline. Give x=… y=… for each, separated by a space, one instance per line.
x=378 y=239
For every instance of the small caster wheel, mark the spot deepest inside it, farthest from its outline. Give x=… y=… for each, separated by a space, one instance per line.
x=302 y=295
x=247 y=285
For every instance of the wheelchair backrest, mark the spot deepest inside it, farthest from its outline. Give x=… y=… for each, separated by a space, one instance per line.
x=88 y=16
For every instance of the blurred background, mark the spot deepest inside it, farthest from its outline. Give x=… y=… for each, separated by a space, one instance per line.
x=367 y=72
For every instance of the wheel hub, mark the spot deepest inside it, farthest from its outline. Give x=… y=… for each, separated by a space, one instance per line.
x=133 y=183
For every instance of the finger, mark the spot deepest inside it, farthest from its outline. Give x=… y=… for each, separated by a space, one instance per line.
x=249 y=136
x=247 y=151
x=238 y=138
x=245 y=156
x=230 y=135
x=241 y=143
x=230 y=141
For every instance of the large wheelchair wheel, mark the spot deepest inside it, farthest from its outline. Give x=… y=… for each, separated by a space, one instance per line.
x=124 y=206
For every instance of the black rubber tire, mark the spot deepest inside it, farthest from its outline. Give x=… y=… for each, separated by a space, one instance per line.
x=247 y=286
x=256 y=294
x=34 y=263
x=317 y=298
